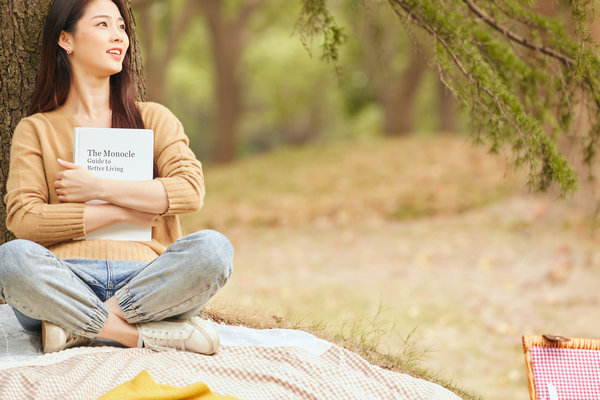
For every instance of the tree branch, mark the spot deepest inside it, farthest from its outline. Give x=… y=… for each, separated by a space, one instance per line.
x=461 y=67
x=516 y=38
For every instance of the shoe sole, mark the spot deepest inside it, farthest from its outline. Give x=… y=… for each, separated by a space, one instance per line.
x=209 y=333
x=54 y=334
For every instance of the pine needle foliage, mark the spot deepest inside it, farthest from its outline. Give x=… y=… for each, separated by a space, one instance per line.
x=524 y=80
x=316 y=20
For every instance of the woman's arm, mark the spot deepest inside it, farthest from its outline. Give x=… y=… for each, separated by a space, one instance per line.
x=98 y=216
x=75 y=184
x=29 y=212
x=178 y=189
x=178 y=169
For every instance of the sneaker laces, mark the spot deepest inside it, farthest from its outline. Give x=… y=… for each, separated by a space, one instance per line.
x=167 y=343
x=193 y=335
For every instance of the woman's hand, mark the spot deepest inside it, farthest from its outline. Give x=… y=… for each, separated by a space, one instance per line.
x=75 y=184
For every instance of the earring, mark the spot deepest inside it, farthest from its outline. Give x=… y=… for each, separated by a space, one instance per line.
x=69 y=51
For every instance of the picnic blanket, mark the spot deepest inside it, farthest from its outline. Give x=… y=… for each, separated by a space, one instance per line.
x=251 y=364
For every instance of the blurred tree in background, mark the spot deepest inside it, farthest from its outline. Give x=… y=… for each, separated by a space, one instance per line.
x=227 y=23
x=395 y=66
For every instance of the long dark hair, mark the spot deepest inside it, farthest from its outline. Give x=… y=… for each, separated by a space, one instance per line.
x=54 y=77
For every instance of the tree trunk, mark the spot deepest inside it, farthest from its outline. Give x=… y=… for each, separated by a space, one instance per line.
x=382 y=43
x=136 y=51
x=227 y=51
x=21 y=34
x=227 y=48
x=228 y=39
x=399 y=98
x=447 y=109
x=548 y=8
x=596 y=31
x=22 y=24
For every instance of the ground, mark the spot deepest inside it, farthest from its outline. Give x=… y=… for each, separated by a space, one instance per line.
x=452 y=283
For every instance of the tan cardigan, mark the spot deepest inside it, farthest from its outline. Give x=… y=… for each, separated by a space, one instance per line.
x=35 y=213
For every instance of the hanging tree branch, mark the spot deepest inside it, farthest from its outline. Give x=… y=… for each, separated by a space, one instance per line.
x=514 y=37
x=523 y=99
x=463 y=69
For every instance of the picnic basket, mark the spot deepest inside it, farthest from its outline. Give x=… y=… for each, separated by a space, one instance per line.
x=562 y=368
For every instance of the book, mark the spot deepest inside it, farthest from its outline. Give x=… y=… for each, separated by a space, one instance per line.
x=121 y=154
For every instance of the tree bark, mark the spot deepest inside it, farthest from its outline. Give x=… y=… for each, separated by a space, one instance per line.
x=22 y=24
x=21 y=34
x=136 y=52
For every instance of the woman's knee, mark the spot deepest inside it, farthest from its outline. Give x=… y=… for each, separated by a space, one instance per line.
x=214 y=254
x=15 y=247
x=13 y=256
x=16 y=274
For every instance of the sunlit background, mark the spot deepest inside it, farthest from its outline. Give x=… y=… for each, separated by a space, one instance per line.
x=355 y=196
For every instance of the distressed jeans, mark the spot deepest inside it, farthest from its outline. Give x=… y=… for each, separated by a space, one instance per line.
x=71 y=292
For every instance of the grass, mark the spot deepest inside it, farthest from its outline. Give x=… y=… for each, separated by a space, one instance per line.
x=358 y=339
x=345 y=183
x=331 y=190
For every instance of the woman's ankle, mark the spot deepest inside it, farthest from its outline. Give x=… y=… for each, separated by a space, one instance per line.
x=120 y=331
x=115 y=308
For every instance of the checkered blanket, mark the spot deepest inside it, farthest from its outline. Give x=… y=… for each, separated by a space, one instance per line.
x=247 y=372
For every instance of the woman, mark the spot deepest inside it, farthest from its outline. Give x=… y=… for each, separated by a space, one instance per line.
x=135 y=293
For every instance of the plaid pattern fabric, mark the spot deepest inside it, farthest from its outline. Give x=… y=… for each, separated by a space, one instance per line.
x=575 y=373
x=246 y=372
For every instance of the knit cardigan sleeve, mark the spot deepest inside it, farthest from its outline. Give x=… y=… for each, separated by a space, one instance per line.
x=178 y=169
x=29 y=214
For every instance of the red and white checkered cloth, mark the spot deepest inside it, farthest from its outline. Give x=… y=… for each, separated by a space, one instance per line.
x=246 y=372
x=575 y=373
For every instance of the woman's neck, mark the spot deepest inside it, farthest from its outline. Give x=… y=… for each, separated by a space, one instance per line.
x=88 y=101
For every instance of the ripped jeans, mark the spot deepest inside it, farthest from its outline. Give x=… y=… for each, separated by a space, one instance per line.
x=71 y=292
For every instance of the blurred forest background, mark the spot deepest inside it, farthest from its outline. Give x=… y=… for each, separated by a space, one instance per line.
x=241 y=81
x=354 y=194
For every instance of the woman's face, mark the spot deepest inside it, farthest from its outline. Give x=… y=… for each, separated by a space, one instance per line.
x=99 y=42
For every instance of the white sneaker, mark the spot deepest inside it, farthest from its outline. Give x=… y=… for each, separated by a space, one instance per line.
x=196 y=335
x=55 y=338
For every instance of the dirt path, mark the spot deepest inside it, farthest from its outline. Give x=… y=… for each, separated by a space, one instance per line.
x=468 y=285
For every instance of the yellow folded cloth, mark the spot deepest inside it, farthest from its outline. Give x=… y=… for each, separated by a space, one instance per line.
x=143 y=387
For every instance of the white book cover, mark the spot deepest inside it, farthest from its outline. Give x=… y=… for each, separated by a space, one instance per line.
x=121 y=154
